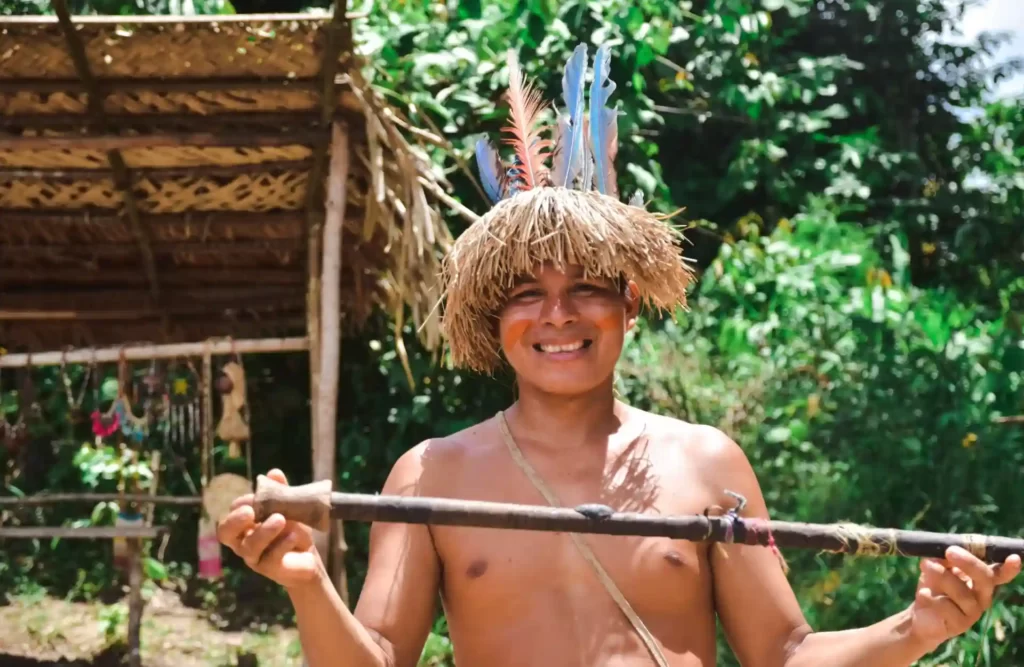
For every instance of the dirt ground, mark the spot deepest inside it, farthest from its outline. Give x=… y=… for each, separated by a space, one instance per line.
x=37 y=631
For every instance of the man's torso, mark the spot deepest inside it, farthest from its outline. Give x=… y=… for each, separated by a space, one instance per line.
x=529 y=598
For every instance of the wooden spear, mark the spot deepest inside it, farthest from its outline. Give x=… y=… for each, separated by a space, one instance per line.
x=315 y=505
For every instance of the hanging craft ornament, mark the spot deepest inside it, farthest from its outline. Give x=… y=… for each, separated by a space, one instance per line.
x=16 y=436
x=136 y=429
x=557 y=201
x=104 y=424
x=233 y=427
x=75 y=413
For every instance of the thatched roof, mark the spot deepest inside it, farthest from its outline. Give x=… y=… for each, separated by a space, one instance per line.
x=177 y=204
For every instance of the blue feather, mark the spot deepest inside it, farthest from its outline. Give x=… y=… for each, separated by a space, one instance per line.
x=490 y=169
x=570 y=144
x=603 y=123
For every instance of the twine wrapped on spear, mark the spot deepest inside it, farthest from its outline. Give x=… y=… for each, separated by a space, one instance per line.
x=315 y=505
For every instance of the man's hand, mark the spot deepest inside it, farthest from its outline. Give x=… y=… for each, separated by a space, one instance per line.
x=280 y=550
x=953 y=593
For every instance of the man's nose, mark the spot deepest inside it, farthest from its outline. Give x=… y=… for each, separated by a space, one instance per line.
x=559 y=311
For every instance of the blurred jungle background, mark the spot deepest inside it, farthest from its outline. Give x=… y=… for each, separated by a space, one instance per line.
x=852 y=177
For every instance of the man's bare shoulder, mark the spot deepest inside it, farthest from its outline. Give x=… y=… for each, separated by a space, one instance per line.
x=436 y=464
x=704 y=446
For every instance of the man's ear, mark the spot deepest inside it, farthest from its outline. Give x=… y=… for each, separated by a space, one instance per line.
x=632 y=294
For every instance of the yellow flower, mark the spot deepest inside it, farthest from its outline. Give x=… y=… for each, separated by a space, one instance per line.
x=813 y=405
x=969 y=440
x=180 y=386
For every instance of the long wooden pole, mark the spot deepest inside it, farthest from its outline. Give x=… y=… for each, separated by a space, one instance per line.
x=59 y=498
x=148 y=352
x=315 y=504
x=325 y=461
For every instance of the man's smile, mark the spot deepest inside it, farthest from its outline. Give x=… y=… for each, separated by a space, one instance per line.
x=563 y=349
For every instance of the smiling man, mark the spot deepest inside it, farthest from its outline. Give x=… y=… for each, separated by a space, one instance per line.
x=550 y=281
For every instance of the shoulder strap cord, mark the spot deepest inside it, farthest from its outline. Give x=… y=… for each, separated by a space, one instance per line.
x=645 y=635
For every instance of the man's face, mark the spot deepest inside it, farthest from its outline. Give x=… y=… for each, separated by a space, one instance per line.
x=563 y=333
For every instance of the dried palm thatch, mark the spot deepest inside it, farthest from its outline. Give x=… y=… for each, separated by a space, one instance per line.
x=219 y=125
x=565 y=227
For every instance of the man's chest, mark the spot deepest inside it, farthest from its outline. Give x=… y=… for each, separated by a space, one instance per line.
x=657 y=575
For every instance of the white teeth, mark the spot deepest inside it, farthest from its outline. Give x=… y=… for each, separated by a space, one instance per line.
x=562 y=348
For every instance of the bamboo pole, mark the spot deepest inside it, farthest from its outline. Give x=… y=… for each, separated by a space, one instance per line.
x=314 y=227
x=135 y=602
x=149 y=352
x=82 y=533
x=325 y=456
x=206 y=455
x=59 y=498
x=225 y=19
x=315 y=505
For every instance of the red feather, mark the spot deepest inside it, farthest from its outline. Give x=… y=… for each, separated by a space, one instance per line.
x=525 y=107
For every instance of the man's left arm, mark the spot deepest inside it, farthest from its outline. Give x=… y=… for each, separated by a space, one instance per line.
x=763 y=620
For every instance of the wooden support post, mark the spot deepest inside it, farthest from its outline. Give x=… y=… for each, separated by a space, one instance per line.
x=148 y=352
x=330 y=342
x=313 y=335
x=135 y=603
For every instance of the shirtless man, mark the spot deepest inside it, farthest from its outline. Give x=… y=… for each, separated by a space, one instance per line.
x=518 y=598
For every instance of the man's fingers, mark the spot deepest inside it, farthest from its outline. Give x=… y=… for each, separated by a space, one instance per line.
x=948 y=610
x=941 y=581
x=233 y=528
x=277 y=476
x=284 y=543
x=254 y=544
x=242 y=500
x=1005 y=572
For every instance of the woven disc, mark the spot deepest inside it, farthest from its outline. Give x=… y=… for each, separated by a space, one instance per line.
x=221 y=492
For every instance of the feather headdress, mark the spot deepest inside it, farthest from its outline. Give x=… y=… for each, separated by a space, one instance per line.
x=556 y=200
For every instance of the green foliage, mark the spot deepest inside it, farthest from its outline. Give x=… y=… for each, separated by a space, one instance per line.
x=843 y=381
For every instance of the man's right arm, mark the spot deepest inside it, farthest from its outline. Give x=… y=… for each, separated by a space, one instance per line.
x=399 y=597
x=398 y=601
x=329 y=632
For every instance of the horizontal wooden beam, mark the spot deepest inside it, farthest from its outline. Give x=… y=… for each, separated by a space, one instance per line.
x=161 y=140
x=59 y=498
x=60 y=334
x=148 y=352
x=173 y=19
x=83 y=533
x=8 y=174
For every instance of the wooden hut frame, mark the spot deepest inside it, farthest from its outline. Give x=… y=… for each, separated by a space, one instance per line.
x=176 y=180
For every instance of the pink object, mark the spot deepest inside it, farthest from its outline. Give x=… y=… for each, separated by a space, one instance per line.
x=210 y=566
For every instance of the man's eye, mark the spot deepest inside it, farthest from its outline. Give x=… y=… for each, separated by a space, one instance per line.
x=527 y=294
